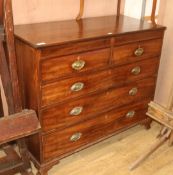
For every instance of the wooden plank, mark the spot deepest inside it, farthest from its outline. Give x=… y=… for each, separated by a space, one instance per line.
x=154 y=147
x=9 y=31
x=118 y=7
x=1 y=106
x=18 y=126
x=1 y=12
x=1 y=21
x=160 y=114
x=81 y=11
x=153 y=13
x=170 y=102
x=6 y=80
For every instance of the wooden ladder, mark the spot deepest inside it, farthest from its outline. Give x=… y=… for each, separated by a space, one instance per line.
x=21 y=122
x=163 y=115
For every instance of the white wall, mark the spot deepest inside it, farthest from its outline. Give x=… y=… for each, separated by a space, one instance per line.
x=165 y=80
x=133 y=8
x=31 y=11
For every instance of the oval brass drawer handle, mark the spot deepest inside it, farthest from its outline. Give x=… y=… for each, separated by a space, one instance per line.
x=75 y=137
x=76 y=111
x=78 y=65
x=139 y=52
x=77 y=87
x=136 y=70
x=130 y=114
x=133 y=91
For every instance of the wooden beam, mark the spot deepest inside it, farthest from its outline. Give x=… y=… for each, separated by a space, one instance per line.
x=5 y=77
x=161 y=114
x=154 y=147
x=18 y=125
x=1 y=106
x=1 y=12
x=118 y=7
x=81 y=11
x=153 y=13
x=170 y=102
x=9 y=31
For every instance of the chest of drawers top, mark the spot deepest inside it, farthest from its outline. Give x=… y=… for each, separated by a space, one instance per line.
x=42 y=35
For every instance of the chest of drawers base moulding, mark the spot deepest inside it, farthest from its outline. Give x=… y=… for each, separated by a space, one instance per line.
x=87 y=80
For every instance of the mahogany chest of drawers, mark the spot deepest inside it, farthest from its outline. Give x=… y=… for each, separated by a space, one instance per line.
x=87 y=80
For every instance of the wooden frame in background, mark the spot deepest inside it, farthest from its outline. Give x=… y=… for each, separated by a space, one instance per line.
x=119 y=6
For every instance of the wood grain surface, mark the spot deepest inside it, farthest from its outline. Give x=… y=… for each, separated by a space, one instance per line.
x=60 y=90
x=54 y=33
x=46 y=52
x=58 y=116
x=62 y=66
x=125 y=53
x=91 y=130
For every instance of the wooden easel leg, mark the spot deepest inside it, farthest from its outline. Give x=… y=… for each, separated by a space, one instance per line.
x=151 y=150
x=162 y=131
x=81 y=11
x=171 y=139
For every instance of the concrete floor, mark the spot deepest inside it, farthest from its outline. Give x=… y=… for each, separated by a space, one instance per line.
x=113 y=156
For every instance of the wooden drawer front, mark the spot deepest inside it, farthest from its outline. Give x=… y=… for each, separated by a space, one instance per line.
x=145 y=49
x=138 y=36
x=67 y=140
x=65 y=66
x=61 y=90
x=74 y=47
x=62 y=115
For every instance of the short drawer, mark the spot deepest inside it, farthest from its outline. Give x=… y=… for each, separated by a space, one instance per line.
x=66 y=141
x=136 y=51
x=74 y=111
x=65 y=89
x=55 y=68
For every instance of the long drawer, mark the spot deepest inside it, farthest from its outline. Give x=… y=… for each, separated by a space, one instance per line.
x=65 y=89
x=73 y=111
x=70 y=139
